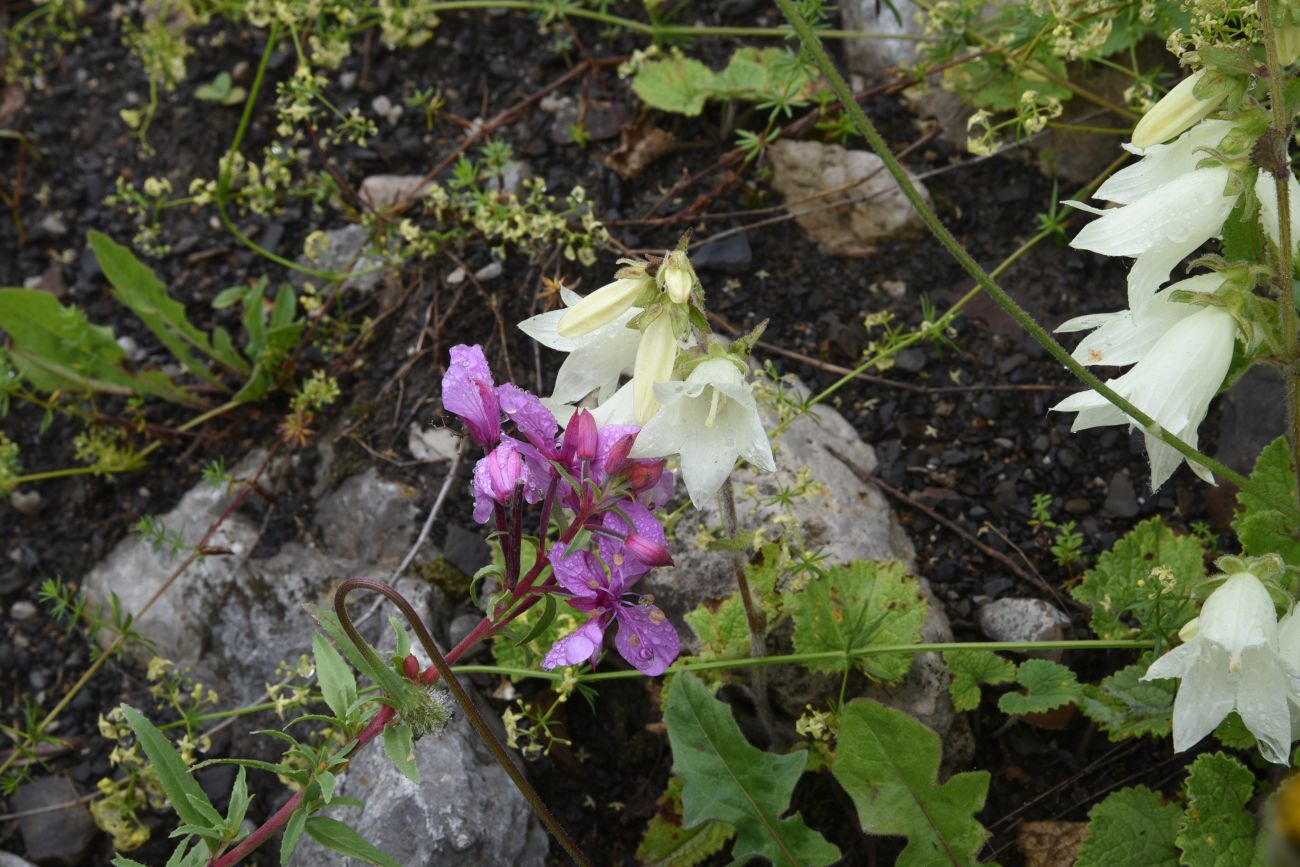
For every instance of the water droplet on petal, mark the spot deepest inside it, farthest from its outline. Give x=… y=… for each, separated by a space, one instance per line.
x=646 y=653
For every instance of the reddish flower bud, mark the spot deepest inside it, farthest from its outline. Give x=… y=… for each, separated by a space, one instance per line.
x=411 y=667
x=505 y=468
x=581 y=438
x=642 y=475
x=649 y=552
x=616 y=457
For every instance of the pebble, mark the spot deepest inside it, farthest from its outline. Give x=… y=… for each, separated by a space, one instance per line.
x=1023 y=620
x=465 y=550
x=490 y=271
x=1121 y=499
x=53 y=226
x=62 y=836
x=455 y=278
x=729 y=255
x=26 y=502
x=22 y=610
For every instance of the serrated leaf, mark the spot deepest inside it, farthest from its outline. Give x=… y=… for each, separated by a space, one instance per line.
x=292 y=833
x=1131 y=828
x=333 y=834
x=721 y=628
x=677 y=84
x=183 y=792
x=327 y=782
x=859 y=605
x=400 y=748
x=1049 y=685
x=1125 y=706
x=1112 y=591
x=337 y=683
x=725 y=778
x=1217 y=830
x=1261 y=528
x=969 y=669
x=239 y=801
x=668 y=844
x=889 y=765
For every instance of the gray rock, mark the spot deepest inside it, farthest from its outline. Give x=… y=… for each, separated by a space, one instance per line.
x=730 y=255
x=432 y=443
x=874 y=58
x=58 y=836
x=381 y=192
x=233 y=618
x=348 y=249
x=465 y=811
x=490 y=271
x=1251 y=415
x=9 y=859
x=1028 y=620
x=22 y=610
x=465 y=550
x=26 y=501
x=1121 y=498
x=513 y=175
x=871 y=209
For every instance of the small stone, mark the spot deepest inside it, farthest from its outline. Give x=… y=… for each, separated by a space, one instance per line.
x=1023 y=620
x=729 y=255
x=384 y=191
x=347 y=80
x=910 y=360
x=26 y=501
x=387 y=109
x=1077 y=505
x=465 y=550
x=513 y=175
x=1121 y=499
x=455 y=278
x=55 y=837
x=38 y=679
x=432 y=443
x=131 y=348
x=490 y=271
x=53 y=226
x=22 y=610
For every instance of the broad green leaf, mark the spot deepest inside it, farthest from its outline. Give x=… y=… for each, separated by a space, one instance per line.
x=1261 y=528
x=400 y=748
x=136 y=286
x=677 y=84
x=368 y=662
x=969 y=669
x=721 y=628
x=184 y=793
x=292 y=833
x=337 y=684
x=889 y=764
x=1125 y=706
x=1122 y=590
x=1217 y=830
x=335 y=835
x=1131 y=828
x=54 y=347
x=725 y=778
x=667 y=844
x=859 y=605
x=1049 y=685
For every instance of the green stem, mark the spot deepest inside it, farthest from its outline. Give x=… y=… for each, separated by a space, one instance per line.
x=1284 y=278
x=825 y=656
x=1005 y=301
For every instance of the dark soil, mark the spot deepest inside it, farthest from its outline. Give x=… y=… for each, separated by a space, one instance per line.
x=966 y=433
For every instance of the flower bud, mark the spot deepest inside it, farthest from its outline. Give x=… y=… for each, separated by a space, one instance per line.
x=616 y=457
x=411 y=667
x=1177 y=111
x=643 y=475
x=676 y=277
x=581 y=439
x=505 y=471
x=602 y=306
x=647 y=551
x=654 y=363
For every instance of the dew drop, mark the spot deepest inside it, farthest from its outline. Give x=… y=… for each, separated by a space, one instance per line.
x=646 y=653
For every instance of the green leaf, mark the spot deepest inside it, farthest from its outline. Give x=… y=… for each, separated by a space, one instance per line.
x=368 y=662
x=1262 y=529
x=400 y=747
x=184 y=793
x=721 y=627
x=136 y=286
x=969 y=669
x=221 y=89
x=1217 y=830
x=55 y=348
x=667 y=844
x=292 y=833
x=335 y=835
x=337 y=684
x=1121 y=589
x=327 y=782
x=724 y=778
x=1125 y=706
x=1050 y=685
x=677 y=84
x=1131 y=828
x=889 y=763
x=859 y=605
x=508 y=652
x=239 y=801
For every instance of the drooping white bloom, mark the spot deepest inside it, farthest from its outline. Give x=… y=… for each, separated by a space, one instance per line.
x=1266 y=192
x=1175 y=112
x=1173 y=384
x=1123 y=338
x=654 y=364
x=1232 y=663
x=1170 y=208
x=709 y=419
x=602 y=306
x=596 y=358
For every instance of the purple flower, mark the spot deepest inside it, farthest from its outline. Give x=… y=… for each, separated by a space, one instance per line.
x=531 y=418
x=581 y=440
x=645 y=637
x=496 y=476
x=649 y=549
x=468 y=392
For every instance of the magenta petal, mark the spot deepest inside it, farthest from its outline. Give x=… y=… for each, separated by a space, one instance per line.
x=616 y=440
x=482 y=488
x=646 y=639
x=645 y=525
x=532 y=419
x=467 y=391
x=579 y=573
x=578 y=646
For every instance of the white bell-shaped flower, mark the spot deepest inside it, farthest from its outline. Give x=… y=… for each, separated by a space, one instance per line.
x=1173 y=384
x=655 y=357
x=596 y=358
x=1231 y=664
x=1266 y=192
x=1177 y=110
x=1123 y=338
x=709 y=419
x=603 y=305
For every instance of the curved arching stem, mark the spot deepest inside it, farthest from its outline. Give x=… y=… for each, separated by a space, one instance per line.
x=458 y=692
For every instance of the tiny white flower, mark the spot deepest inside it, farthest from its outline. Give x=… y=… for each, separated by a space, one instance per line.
x=1173 y=384
x=1176 y=111
x=709 y=419
x=596 y=358
x=1232 y=663
x=1123 y=338
x=602 y=306
x=654 y=364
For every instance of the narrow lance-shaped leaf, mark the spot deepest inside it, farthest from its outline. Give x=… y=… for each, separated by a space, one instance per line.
x=725 y=778
x=335 y=835
x=183 y=791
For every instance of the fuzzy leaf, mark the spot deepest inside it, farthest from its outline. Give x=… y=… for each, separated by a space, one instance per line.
x=1131 y=828
x=1217 y=830
x=969 y=669
x=1111 y=587
x=336 y=681
x=859 y=605
x=677 y=84
x=888 y=763
x=400 y=747
x=1261 y=528
x=183 y=791
x=333 y=834
x=1125 y=706
x=721 y=628
x=724 y=778
x=1050 y=685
